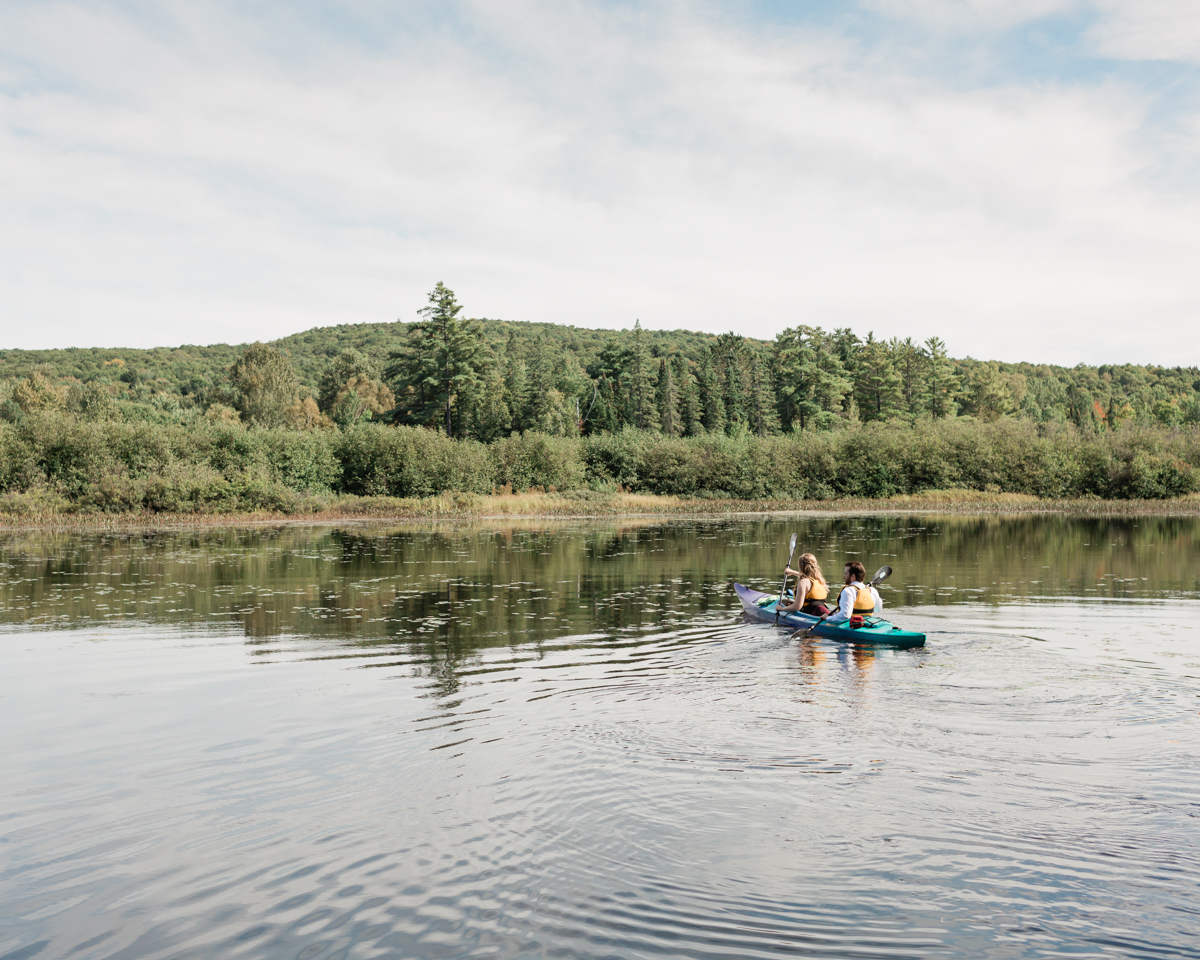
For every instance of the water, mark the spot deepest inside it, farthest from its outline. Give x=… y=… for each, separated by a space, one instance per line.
x=564 y=741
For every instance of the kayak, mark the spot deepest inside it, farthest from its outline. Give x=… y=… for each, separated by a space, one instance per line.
x=875 y=631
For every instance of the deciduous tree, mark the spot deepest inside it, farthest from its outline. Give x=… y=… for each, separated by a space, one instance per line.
x=266 y=385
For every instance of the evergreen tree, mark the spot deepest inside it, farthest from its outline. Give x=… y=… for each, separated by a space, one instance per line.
x=846 y=346
x=730 y=366
x=603 y=418
x=911 y=365
x=877 y=386
x=764 y=420
x=668 y=400
x=942 y=383
x=991 y=399
x=490 y=415
x=712 y=402
x=441 y=365
x=689 y=398
x=810 y=378
x=612 y=367
x=641 y=381
x=538 y=403
x=516 y=390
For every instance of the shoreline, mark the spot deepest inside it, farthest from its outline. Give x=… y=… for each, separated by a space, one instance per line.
x=586 y=505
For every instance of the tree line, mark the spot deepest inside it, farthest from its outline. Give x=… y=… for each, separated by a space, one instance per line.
x=486 y=379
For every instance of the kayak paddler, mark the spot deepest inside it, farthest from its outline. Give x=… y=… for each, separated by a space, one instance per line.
x=811 y=588
x=858 y=598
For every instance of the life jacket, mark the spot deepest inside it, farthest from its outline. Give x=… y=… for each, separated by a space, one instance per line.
x=864 y=600
x=817 y=590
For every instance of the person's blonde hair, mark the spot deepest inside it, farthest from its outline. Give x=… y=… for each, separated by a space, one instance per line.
x=810 y=568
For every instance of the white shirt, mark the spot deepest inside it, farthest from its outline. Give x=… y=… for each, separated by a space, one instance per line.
x=846 y=603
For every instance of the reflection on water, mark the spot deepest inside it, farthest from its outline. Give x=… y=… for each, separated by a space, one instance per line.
x=564 y=740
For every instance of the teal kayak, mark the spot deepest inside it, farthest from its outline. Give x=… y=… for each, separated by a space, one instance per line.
x=874 y=632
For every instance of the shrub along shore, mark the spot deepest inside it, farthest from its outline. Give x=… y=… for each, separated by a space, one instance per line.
x=55 y=465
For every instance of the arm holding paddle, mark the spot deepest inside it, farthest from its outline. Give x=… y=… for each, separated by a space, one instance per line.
x=787 y=569
x=800 y=594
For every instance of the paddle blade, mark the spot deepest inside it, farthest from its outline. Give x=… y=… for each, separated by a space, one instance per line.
x=792 y=545
x=881 y=574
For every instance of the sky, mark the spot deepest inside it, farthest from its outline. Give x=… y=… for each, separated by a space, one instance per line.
x=1016 y=177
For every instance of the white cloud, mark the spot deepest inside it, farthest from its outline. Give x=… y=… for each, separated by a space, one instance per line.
x=187 y=183
x=958 y=15
x=1148 y=30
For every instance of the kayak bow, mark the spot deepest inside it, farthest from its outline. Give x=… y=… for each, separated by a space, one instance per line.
x=875 y=632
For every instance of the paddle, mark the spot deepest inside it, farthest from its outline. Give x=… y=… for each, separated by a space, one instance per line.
x=880 y=575
x=783 y=587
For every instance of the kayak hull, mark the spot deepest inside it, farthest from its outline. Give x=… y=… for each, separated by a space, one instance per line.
x=880 y=633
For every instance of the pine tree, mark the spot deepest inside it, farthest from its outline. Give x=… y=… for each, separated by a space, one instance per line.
x=911 y=365
x=603 y=418
x=942 y=383
x=668 y=400
x=516 y=390
x=641 y=381
x=539 y=405
x=441 y=364
x=689 y=399
x=877 y=387
x=764 y=420
x=731 y=369
x=991 y=398
x=811 y=385
x=491 y=417
x=712 y=403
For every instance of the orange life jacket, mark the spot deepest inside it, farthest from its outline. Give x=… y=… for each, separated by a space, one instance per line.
x=816 y=590
x=864 y=600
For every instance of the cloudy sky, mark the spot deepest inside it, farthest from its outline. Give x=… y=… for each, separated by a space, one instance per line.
x=1018 y=177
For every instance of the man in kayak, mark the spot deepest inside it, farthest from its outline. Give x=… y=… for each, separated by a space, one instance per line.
x=858 y=598
x=811 y=588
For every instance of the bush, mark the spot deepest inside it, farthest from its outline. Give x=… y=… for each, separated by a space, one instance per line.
x=49 y=456
x=522 y=461
x=612 y=458
x=410 y=462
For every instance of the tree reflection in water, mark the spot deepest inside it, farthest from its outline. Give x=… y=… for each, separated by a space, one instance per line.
x=446 y=592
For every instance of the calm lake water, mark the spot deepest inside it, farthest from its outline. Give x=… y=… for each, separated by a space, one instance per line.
x=565 y=741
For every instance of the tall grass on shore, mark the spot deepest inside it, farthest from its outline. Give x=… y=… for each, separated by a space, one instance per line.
x=52 y=463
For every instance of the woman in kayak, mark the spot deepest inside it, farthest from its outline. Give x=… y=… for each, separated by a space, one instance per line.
x=858 y=598
x=811 y=588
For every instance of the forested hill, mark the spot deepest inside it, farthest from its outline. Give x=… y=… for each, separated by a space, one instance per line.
x=177 y=368
x=488 y=378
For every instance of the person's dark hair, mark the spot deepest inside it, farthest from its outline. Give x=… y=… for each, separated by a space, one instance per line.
x=857 y=568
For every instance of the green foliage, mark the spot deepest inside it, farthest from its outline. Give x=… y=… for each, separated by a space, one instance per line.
x=351 y=389
x=811 y=384
x=410 y=462
x=36 y=393
x=878 y=388
x=524 y=461
x=814 y=413
x=266 y=385
x=119 y=466
x=442 y=367
x=94 y=402
x=204 y=467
